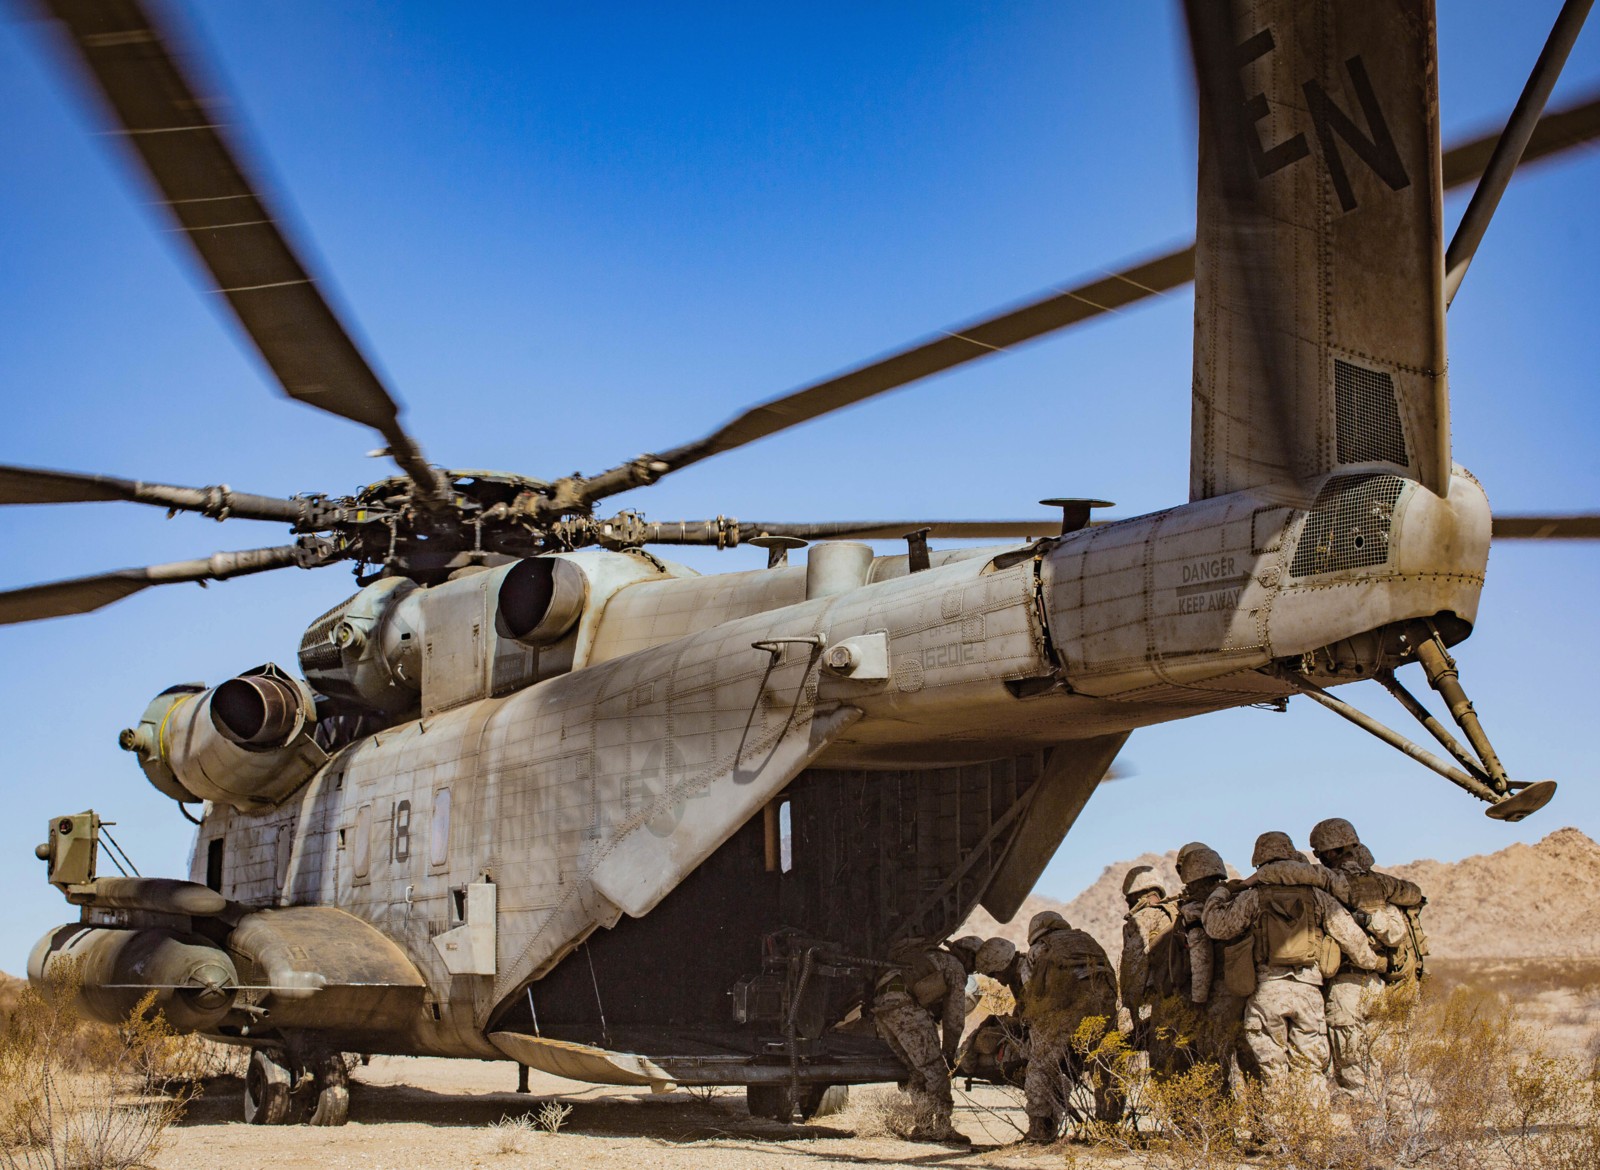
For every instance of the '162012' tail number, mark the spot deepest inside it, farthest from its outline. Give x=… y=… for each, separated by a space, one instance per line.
x=950 y=654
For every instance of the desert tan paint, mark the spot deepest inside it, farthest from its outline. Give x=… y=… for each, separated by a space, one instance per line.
x=1348 y=251
x=591 y=794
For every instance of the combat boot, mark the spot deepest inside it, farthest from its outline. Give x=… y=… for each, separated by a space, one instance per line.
x=1041 y=1131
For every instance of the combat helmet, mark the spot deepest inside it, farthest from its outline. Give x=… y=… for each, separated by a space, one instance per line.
x=1274 y=846
x=1333 y=833
x=965 y=948
x=994 y=957
x=1141 y=879
x=1043 y=923
x=1197 y=860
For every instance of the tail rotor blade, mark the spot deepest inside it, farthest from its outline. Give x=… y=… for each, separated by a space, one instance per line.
x=85 y=594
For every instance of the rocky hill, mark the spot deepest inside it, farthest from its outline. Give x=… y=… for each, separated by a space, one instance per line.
x=1523 y=902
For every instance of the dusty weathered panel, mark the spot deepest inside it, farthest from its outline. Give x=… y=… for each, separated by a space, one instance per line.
x=1325 y=246
x=652 y=612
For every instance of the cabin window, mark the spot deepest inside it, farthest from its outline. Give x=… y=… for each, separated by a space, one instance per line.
x=363 y=841
x=214 y=864
x=439 y=833
x=785 y=839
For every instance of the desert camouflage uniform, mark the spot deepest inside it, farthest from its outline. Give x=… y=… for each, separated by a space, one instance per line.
x=1071 y=981
x=1375 y=897
x=1214 y=1020
x=908 y=1027
x=997 y=1049
x=1284 y=1023
x=1143 y=927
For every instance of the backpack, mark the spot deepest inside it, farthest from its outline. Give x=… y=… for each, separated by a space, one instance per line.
x=1288 y=932
x=925 y=982
x=1170 y=969
x=1408 y=960
x=1065 y=964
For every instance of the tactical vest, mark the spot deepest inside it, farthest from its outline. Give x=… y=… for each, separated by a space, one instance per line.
x=1064 y=971
x=1288 y=932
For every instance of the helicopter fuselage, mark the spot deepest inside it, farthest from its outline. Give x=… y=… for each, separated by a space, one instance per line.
x=490 y=838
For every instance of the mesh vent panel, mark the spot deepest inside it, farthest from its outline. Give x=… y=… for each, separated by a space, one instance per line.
x=317 y=652
x=1369 y=429
x=1348 y=527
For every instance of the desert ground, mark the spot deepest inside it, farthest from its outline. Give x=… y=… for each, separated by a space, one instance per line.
x=422 y=1114
x=419 y=1113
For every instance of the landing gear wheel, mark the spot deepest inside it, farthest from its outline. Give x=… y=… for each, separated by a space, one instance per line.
x=266 y=1089
x=332 y=1085
x=773 y=1101
x=833 y=1099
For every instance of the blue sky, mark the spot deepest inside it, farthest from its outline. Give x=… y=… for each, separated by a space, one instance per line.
x=573 y=233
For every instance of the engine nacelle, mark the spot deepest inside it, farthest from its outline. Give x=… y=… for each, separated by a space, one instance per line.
x=246 y=743
x=376 y=651
x=366 y=652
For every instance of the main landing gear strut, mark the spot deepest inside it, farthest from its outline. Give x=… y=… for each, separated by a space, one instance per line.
x=1481 y=772
x=274 y=1094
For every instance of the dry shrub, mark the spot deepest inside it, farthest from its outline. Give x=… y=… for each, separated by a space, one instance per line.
x=511 y=1134
x=84 y=1096
x=994 y=999
x=880 y=1113
x=1457 y=1082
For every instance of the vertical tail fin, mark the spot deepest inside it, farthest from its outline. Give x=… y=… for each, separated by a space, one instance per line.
x=1319 y=309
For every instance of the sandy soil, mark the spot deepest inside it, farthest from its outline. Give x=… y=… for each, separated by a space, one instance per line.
x=418 y=1113
x=423 y=1114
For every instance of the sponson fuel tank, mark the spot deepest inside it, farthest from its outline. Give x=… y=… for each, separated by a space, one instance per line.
x=246 y=743
x=193 y=979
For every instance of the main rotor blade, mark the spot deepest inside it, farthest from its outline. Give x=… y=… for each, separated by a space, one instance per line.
x=83 y=594
x=1556 y=132
x=1573 y=526
x=36 y=485
x=718 y=532
x=1508 y=151
x=179 y=135
x=945 y=351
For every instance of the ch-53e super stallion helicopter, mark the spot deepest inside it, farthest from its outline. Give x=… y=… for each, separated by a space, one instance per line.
x=525 y=800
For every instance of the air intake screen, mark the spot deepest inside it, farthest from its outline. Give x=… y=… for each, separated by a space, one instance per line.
x=1348 y=527
x=1369 y=427
x=317 y=651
